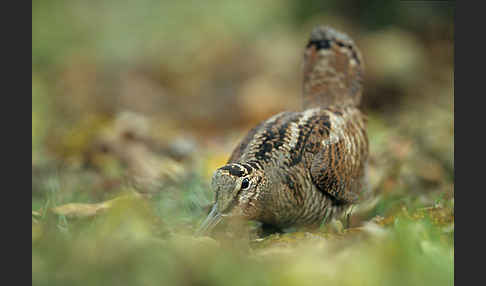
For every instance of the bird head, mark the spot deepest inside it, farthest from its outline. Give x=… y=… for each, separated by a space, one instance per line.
x=239 y=190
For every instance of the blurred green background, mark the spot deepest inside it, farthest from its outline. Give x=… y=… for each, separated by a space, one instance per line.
x=136 y=103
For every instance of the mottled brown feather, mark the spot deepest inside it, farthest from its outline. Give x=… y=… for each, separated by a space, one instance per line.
x=339 y=166
x=303 y=167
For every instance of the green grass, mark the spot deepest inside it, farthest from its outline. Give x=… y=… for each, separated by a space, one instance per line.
x=89 y=58
x=141 y=241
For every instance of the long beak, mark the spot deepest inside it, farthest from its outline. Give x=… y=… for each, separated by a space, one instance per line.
x=210 y=222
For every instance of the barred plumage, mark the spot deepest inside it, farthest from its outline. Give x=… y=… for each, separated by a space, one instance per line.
x=299 y=168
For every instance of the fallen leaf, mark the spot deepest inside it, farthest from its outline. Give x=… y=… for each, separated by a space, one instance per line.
x=80 y=210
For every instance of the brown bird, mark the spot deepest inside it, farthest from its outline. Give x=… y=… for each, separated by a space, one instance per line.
x=302 y=168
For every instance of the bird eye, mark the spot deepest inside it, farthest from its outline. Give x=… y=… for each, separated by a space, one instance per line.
x=245 y=184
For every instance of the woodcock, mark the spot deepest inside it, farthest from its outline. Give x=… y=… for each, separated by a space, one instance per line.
x=302 y=168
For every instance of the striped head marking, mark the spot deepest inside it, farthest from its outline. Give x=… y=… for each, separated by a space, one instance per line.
x=237 y=187
x=233 y=184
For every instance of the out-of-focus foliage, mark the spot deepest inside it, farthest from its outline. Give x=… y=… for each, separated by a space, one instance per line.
x=136 y=103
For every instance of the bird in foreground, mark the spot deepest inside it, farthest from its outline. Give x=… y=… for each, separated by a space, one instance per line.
x=302 y=168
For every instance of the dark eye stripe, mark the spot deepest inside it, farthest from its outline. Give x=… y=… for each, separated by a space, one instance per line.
x=248 y=168
x=255 y=165
x=234 y=170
